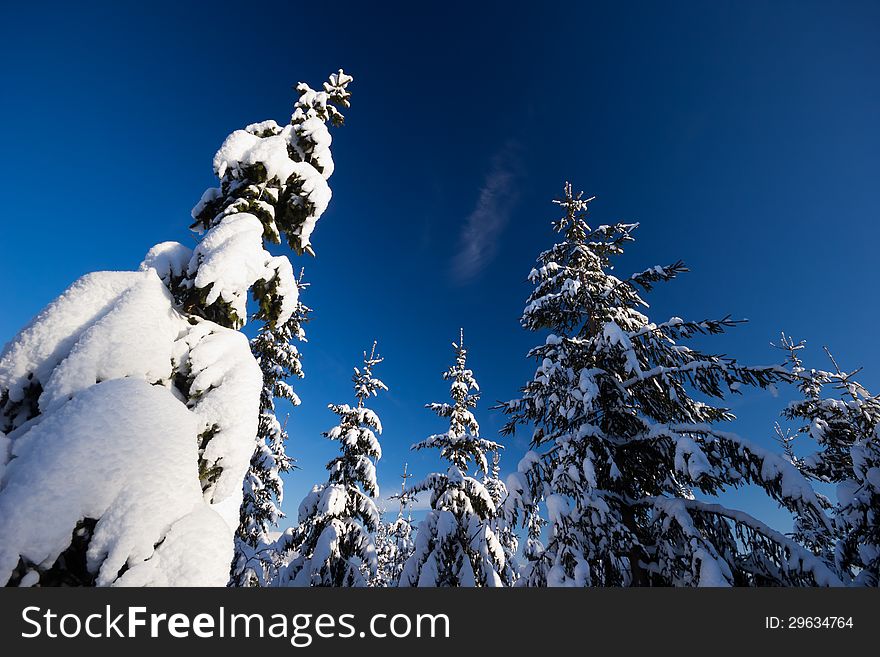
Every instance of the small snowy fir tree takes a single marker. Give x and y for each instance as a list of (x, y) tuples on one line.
[(402, 530), (455, 544), (139, 384), (394, 543), (384, 543), (840, 416), (503, 521), (333, 543), (623, 438), (279, 360)]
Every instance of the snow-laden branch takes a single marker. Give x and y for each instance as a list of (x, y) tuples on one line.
[(799, 559)]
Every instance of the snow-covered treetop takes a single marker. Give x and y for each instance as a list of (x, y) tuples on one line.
[(404, 497), (322, 105), (273, 181), (356, 432), (277, 172), (461, 444), (365, 384), (589, 310)]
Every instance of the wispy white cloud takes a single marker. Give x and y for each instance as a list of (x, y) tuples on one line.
[(478, 242)]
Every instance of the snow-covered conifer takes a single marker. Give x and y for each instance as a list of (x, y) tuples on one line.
[(394, 540), (384, 543), (273, 181), (333, 544), (394, 543), (503, 520), (840, 416), (279, 360), (623, 436), (455, 544), (402, 529), (138, 384)]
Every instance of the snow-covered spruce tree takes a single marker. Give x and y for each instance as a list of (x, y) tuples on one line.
[(279, 359), (384, 544), (842, 418), (139, 384), (333, 544), (388, 561), (394, 543), (402, 530), (455, 544), (623, 438), (503, 520)]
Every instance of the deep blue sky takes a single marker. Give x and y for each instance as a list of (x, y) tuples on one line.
[(743, 136)]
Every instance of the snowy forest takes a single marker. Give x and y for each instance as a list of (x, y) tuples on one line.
[(139, 419)]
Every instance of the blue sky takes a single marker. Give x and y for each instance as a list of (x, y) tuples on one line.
[(743, 136)]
